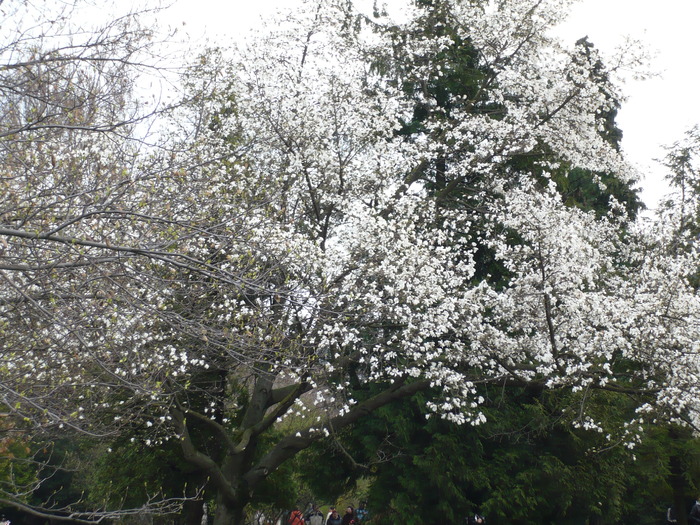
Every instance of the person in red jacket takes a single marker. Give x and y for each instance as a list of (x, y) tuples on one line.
[(296, 517)]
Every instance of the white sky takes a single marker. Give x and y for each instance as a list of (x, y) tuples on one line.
[(658, 110)]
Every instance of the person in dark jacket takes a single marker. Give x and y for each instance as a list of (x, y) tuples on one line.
[(334, 518), (671, 518), (694, 516), (349, 517)]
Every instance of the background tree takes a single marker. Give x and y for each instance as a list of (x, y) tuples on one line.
[(71, 128)]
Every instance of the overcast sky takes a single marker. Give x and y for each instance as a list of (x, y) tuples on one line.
[(658, 110)]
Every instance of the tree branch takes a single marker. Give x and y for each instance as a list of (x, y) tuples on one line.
[(290, 445), (200, 460)]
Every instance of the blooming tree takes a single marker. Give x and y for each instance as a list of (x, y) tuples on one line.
[(71, 131), (316, 220)]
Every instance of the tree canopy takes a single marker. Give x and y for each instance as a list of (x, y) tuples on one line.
[(341, 214)]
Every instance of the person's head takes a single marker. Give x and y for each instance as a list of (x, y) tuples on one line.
[(350, 510)]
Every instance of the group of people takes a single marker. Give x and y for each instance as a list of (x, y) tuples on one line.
[(693, 517), (352, 516)]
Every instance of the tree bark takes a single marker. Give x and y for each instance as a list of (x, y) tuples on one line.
[(234, 477), (676, 478), (678, 487), (192, 512), (227, 514)]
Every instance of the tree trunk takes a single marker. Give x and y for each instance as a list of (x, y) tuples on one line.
[(192, 512), (678, 487), (227, 513)]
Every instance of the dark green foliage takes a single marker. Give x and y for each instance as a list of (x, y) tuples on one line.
[(282, 489), (16, 467), (592, 191), (60, 460), (129, 473), (527, 465), (47, 473)]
